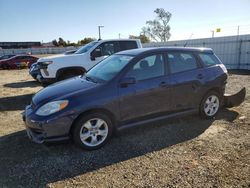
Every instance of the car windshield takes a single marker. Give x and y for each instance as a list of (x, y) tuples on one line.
[(108, 68), (86, 47)]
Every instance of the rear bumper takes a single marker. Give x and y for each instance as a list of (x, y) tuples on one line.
[(231, 100)]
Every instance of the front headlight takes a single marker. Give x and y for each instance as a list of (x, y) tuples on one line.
[(45, 62), (52, 107), (44, 65)]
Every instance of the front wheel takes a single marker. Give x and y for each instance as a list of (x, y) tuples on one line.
[(210, 105), (92, 131)]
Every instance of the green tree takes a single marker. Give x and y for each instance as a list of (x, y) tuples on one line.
[(143, 38), (54, 42), (71, 43), (158, 29), (86, 40), (61, 42)]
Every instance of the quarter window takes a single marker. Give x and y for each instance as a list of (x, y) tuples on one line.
[(209, 59), (149, 67), (180, 62)]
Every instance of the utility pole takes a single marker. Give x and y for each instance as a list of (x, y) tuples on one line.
[(212, 33), (119, 35), (238, 30), (99, 29)]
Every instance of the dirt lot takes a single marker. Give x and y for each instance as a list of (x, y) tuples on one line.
[(186, 152)]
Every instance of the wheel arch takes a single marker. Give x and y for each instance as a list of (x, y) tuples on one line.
[(215, 89), (95, 110), (212, 89), (75, 69)]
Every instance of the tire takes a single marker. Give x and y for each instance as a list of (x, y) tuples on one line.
[(86, 133), (210, 105)]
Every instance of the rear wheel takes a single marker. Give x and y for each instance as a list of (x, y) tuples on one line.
[(92, 131), (210, 105)]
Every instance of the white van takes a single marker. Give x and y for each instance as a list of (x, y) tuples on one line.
[(60, 67)]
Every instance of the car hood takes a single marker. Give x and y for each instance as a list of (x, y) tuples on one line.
[(58, 57), (62, 89)]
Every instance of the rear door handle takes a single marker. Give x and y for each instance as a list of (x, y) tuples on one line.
[(163, 84), (199, 76)]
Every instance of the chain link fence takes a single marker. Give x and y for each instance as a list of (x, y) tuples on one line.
[(234, 51)]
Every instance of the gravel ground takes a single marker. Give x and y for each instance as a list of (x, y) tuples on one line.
[(184, 152)]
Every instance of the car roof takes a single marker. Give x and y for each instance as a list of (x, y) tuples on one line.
[(107, 40), (138, 51), (24, 55)]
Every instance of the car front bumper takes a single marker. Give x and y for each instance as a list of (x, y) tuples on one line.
[(34, 73), (40, 129), (43, 80)]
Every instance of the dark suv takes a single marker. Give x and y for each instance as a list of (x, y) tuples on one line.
[(126, 89)]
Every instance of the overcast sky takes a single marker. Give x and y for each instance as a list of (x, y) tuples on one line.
[(45, 20)]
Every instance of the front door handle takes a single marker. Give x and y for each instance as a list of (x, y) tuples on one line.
[(199, 76)]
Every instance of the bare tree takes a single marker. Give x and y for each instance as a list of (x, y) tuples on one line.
[(158, 29)]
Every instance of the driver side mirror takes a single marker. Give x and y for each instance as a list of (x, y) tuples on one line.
[(127, 81), (96, 53)]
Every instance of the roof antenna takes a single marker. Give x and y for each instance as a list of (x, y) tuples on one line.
[(188, 39)]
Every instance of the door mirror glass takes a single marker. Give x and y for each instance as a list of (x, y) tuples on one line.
[(96, 53), (127, 81)]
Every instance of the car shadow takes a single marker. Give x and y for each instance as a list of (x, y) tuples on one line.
[(15, 102), (27, 164), (30, 84), (239, 71)]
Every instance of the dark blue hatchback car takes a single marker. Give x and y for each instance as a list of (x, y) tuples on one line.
[(126, 89)]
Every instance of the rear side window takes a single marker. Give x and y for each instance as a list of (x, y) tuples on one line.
[(127, 45), (20, 58), (209, 59), (181, 61)]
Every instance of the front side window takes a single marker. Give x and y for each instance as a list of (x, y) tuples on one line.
[(209, 59), (181, 61), (107, 48), (148, 67), (108, 68)]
